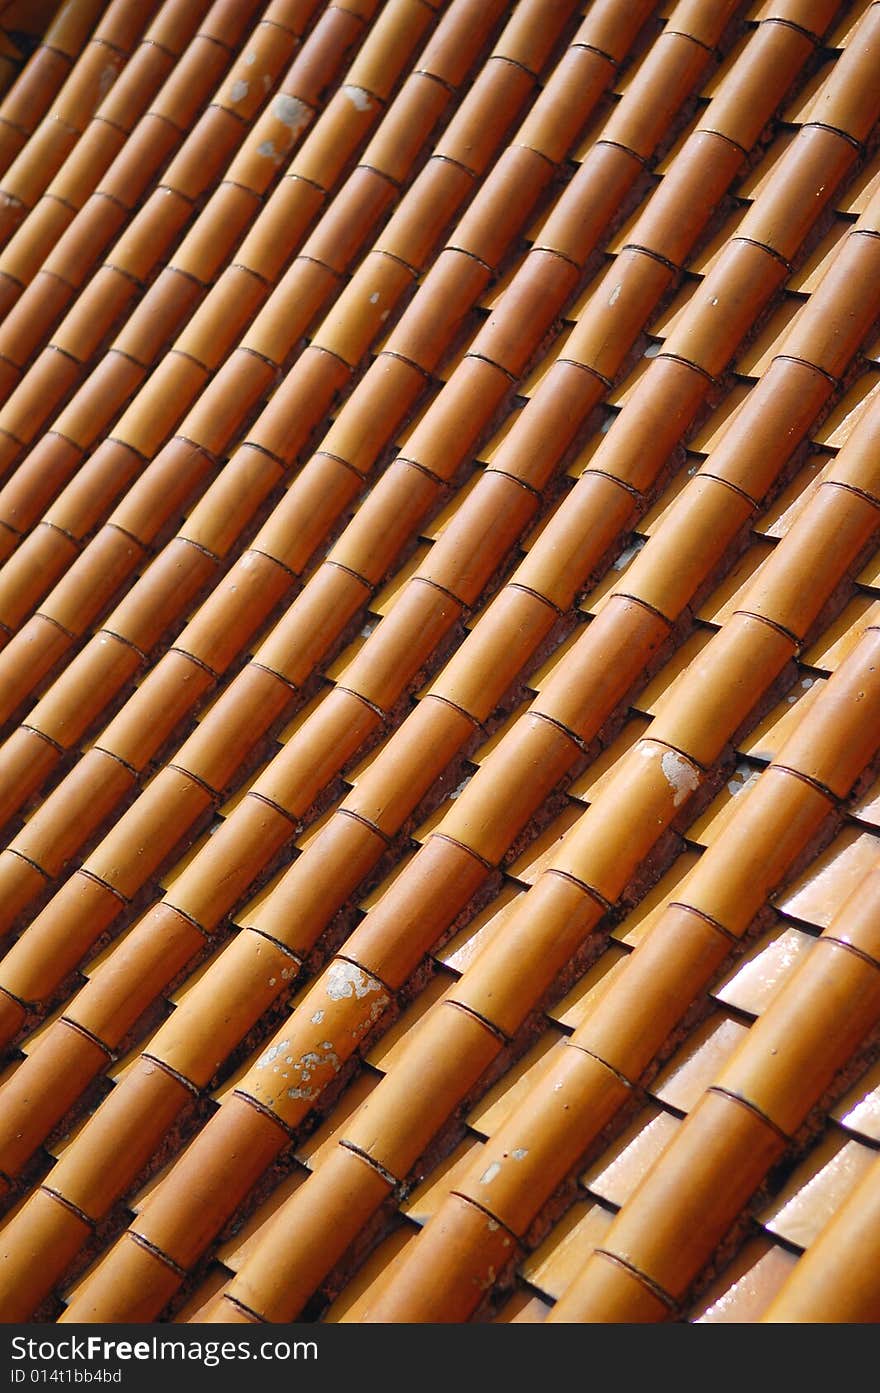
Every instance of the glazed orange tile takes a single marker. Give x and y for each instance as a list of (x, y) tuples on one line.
[(438, 561)]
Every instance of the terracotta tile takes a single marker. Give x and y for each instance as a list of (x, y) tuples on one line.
[(234, 1252), (821, 889), (801, 109), (771, 341), (707, 255), (670, 887), (711, 824), (541, 851), (661, 689), (464, 946), (756, 978), (809, 276), (497, 1105), (859, 1109), (381, 1263), (769, 735), (388, 1049), (843, 32), (817, 1188), (203, 1297), (745, 1289), (576, 1005), (615, 1175), (712, 432), (782, 515), (721, 604), (757, 180), (857, 196), (694, 1067), (588, 786), (313, 1151), (566, 1248), (842, 421), (426, 1199), (256, 491), (866, 809), (523, 1308), (841, 637)]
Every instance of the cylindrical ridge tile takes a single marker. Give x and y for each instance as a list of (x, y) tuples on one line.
[(228, 862), (616, 311), (168, 693), (227, 734), (808, 174), (780, 411), (702, 522), (91, 791), (131, 977), (404, 640), (724, 683), (457, 418), (301, 904), (131, 1281), (768, 831), (849, 101), (582, 212), (603, 848), (836, 525), (548, 424), (135, 848), (319, 1221), (811, 1032), (671, 964), (746, 98), (480, 671), (601, 667), (482, 121), (561, 109), (725, 306), (839, 314), (622, 1297), (334, 732), (208, 1182), (486, 526), (385, 521), (59, 936)]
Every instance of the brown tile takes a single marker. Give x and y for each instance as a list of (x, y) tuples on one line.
[(745, 1289), (617, 1172), (817, 894), (694, 1067), (756, 978), (819, 1186), (553, 1265)]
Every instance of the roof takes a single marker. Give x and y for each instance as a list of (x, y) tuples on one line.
[(440, 666)]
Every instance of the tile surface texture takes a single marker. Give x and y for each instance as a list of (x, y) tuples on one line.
[(440, 661)]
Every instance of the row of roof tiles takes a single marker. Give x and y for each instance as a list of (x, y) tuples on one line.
[(281, 318)]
